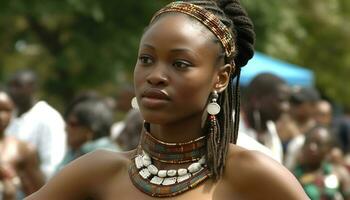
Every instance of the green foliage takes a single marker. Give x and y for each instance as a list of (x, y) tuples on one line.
[(77, 45), (73, 44), (314, 34)]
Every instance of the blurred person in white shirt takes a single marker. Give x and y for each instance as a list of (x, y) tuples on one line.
[(36, 122)]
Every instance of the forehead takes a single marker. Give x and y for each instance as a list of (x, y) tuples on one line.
[(5, 99), (181, 29), (320, 134)]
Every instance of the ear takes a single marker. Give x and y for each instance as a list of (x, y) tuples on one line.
[(223, 78)]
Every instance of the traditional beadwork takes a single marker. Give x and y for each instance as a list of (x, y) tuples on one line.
[(166, 177), (154, 181), (205, 17), (173, 152), (169, 186)]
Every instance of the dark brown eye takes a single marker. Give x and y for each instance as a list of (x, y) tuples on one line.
[(146, 60), (182, 64)]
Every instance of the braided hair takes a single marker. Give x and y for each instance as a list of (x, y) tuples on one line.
[(233, 15)]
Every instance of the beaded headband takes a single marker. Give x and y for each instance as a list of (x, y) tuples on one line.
[(205, 17)]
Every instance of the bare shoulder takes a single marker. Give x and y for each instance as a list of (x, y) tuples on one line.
[(81, 178), (257, 176), (100, 161)]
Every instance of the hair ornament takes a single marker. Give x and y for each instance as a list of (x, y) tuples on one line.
[(207, 18)]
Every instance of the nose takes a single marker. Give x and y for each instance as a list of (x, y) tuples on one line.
[(158, 76)]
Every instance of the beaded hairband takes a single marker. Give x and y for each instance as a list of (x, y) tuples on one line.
[(205, 17)]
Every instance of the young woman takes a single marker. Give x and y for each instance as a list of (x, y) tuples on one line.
[(188, 57)]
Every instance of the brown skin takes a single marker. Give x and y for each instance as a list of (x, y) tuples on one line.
[(323, 113), (21, 89), (17, 158), (188, 77), (303, 116)]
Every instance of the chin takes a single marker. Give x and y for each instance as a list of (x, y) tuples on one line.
[(155, 117)]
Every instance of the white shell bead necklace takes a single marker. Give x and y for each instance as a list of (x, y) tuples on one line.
[(165, 177)]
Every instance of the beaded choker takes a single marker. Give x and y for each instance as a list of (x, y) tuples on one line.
[(173, 152), (163, 169)]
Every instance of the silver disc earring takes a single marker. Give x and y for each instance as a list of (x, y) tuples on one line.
[(213, 107), (134, 103)]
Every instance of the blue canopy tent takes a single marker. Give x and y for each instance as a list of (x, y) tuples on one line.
[(292, 74)]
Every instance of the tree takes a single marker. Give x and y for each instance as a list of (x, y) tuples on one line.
[(74, 45), (314, 34)]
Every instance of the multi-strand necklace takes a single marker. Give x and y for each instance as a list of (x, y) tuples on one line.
[(163, 169)]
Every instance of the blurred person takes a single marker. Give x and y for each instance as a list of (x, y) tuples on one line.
[(320, 178), (125, 94), (19, 163), (36, 122), (130, 136), (342, 127), (88, 122), (265, 100), (337, 158), (324, 113), (80, 97), (187, 60), (303, 103), (123, 106)]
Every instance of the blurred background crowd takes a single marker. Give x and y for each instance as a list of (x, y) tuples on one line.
[(66, 86)]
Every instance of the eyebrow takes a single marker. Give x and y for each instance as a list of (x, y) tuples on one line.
[(179, 50), (172, 50), (149, 46)]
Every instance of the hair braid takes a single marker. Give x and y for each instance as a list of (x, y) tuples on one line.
[(243, 28), (233, 15)]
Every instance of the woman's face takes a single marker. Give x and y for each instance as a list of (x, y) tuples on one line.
[(6, 108), (176, 69)]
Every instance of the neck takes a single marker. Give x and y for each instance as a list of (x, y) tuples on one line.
[(25, 107), (183, 152), (181, 131)]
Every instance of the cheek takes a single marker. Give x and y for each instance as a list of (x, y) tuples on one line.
[(193, 93), (5, 117), (139, 78)]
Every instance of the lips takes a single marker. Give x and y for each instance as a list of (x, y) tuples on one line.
[(154, 98), (155, 94)]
